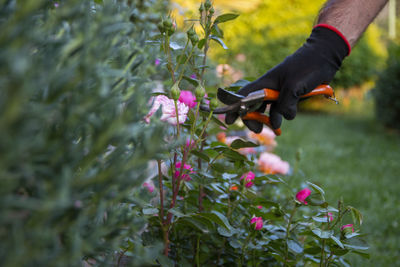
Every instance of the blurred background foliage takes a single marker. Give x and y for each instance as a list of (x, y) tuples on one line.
[(74, 79)]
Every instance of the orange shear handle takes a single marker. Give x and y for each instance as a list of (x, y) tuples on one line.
[(273, 95)]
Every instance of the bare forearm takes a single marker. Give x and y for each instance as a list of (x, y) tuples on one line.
[(350, 17)]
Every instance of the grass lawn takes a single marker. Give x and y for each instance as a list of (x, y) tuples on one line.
[(354, 157)]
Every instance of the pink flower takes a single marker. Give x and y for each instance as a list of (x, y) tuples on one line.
[(190, 144), (56, 4), (149, 187), (258, 222), (248, 178), (157, 62), (259, 207), (168, 110), (266, 137), (247, 150), (330, 216), (269, 163), (347, 226), (302, 195), (193, 76), (188, 98), (186, 168)]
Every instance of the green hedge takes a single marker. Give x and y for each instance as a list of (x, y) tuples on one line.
[(387, 90), (74, 78)]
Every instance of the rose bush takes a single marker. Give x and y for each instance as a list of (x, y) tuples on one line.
[(223, 199)]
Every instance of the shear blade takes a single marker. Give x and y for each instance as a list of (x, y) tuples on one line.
[(227, 109), (227, 97)]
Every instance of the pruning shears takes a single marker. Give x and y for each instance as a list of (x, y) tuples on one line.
[(246, 106)]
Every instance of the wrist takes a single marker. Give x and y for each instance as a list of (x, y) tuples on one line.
[(339, 33)]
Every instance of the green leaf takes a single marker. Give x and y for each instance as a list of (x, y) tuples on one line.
[(200, 155), (201, 43), (356, 214), (239, 143), (181, 59), (197, 223), (294, 246), (224, 232), (220, 123), (176, 212), (219, 41), (322, 234), (192, 81), (218, 218), (337, 241), (238, 84), (362, 254), (150, 211), (175, 46), (235, 243), (215, 30), (225, 17), (316, 188)]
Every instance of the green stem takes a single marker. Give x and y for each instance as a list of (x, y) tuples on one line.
[(177, 118), (321, 261), (287, 234), (198, 252), (184, 65), (183, 52), (169, 58)]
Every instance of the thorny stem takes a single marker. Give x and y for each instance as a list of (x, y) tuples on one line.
[(184, 65), (287, 234), (201, 189), (198, 252)]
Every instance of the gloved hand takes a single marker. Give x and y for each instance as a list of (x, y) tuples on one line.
[(315, 63)]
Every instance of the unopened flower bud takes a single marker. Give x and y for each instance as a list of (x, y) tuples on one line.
[(207, 4), (347, 229), (201, 8), (160, 27), (213, 103), (167, 23), (171, 31), (175, 91), (212, 10), (194, 39), (199, 93)]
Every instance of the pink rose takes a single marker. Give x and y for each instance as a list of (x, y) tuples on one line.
[(190, 144), (347, 228), (188, 98), (149, 187), (168, 110), (258, 222), (269, 163), (302, 195), (248, 178), (259, 207), (187, 168)]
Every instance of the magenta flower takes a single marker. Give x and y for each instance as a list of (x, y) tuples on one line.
[(259, 207), (56, 4), (188, 98), (190, 144), (149, 187), (193, 76), (168, 110), (330, 216), (258, 222), (157, 62), (248, 178), (302, 195), (346, 228), (186, 168)]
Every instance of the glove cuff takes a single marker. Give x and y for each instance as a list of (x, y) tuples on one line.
[(330, 27)]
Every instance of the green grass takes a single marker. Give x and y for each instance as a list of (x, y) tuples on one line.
[(355, 158)]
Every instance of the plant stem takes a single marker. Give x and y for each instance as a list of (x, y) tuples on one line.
[(183, 52), (198, 251), (160, 182), (177, 118), (287, 234), (184, 65), (169, 58), (321, 261)]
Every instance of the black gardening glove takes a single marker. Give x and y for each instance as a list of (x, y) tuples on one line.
[(315, 63)]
